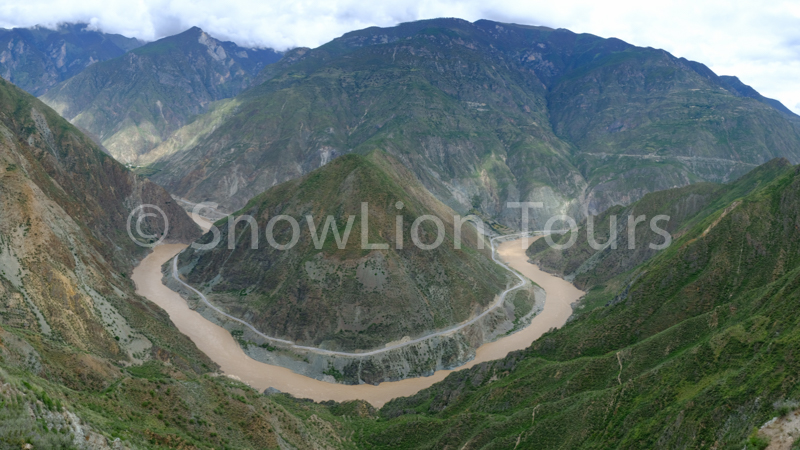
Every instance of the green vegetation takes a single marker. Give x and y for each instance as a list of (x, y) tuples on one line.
[(174, 409), (691, 352), (526, 113), (694, 346), (338, 376), (685, 207), (347, 298)]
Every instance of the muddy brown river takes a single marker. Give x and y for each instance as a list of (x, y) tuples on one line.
[(220, 346)]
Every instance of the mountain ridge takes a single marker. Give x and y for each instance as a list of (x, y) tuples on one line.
[(38, 58), (488, 112), (133, 102), (339, 305)]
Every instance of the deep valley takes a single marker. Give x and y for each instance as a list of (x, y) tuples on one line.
[(368, 244)]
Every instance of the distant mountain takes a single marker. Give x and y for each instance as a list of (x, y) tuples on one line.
[(349, 298), (131, 103), (483, 113), (38, 58)]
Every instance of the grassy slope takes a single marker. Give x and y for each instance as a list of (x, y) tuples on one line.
[(64, 203), (348, 298), (692, 354), (156, 405), (685, 207)]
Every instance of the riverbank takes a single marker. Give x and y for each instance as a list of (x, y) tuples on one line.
[(221, 347)]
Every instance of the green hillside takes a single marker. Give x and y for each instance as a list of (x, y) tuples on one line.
[(485, 113), (691, 349), (685, 207), (345, 297)]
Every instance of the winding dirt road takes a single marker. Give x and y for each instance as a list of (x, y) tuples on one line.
[(220, 346), (499, 301)]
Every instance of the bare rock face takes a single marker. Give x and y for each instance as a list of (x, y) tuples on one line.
[(64, 249)]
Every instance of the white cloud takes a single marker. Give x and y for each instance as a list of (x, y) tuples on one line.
[(758, 42)]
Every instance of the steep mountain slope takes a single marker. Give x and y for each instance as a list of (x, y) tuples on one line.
[(694, 351), (38, 58), (84, 361), (157, 405), (684, 207), (348, 297), (735, 85), (484, 113), (44, 155), (642, 120), (448, 108), (65, 251), (133, 102)]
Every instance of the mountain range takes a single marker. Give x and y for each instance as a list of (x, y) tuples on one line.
[(38, 58), (483, 114), (691, 346), (133, 102), (85, 362)]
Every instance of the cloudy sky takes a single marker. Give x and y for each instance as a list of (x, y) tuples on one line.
[(757, 41)]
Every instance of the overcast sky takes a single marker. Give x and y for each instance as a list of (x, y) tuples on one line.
[(757, 41)]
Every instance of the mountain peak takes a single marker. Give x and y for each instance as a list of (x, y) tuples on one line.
[(190, 33), (352, 297), (39, 57), (214, 69)]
